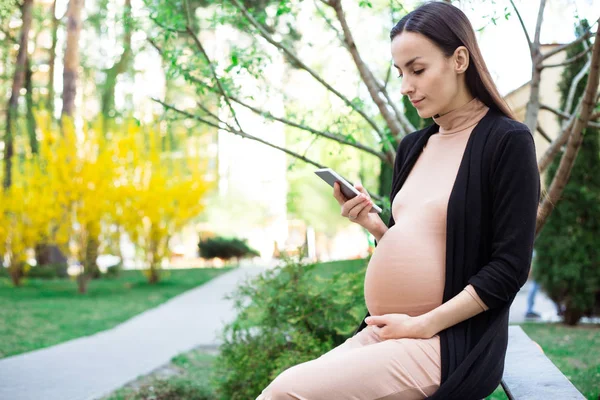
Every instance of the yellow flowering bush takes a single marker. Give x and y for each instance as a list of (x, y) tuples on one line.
[(84, 188)]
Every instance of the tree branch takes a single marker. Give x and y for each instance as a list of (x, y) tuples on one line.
[(587, 34), (574, 83), (564, 115), (328, 21), (538, 24), (558, 142), (212, 68), (267, 114), (367, 76), (529, 42), (532, 110), (243, 134), (337, 138), (568, 61), (543, 133), (302, 65), (575, 139)]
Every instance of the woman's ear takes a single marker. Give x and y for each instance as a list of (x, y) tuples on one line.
[(461, 59)]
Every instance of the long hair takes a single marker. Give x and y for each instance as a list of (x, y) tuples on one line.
[(448, 27)]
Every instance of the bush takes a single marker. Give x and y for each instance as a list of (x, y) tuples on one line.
[(114, 271), (286, 316), (48, 271), (225, 248)]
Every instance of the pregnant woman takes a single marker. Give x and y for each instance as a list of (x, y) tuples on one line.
[(458, 244)]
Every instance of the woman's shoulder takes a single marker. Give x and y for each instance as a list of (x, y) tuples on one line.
[(502, 128)]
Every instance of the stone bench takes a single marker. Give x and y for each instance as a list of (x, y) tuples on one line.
[(530, 375)]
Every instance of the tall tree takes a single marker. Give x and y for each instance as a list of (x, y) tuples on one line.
[(30, 106), (71, 60), (17, 84), (52, 58)]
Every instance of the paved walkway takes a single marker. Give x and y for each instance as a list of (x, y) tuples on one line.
[(93, 366)]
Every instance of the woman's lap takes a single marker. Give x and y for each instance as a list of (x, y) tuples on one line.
[(366, 368)]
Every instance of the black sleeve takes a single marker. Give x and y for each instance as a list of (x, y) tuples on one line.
[(515, 193)]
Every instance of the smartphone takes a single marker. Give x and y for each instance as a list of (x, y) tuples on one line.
[(330, 176)]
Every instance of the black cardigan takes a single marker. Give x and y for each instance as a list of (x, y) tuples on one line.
[(490, 233)]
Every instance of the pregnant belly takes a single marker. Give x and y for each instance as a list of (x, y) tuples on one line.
[(406, 272)]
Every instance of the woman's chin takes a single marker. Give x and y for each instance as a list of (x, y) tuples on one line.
[(423, 113)]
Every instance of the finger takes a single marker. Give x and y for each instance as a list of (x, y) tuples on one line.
[(379, 332), (374, 320), (358, 208), (349, 205), (338, 195), (366, 209)]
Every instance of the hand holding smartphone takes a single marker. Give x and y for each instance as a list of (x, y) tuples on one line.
[(347, 189)]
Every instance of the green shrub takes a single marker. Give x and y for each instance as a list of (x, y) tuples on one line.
[(114, 271), (286, 316), (48, 271), (225, 248)]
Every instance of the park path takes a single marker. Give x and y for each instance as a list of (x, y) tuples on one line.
[(93, 366)]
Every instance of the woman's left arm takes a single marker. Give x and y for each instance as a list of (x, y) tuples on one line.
[(515, 194), (461, 307)]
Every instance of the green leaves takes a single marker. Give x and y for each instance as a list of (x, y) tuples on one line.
[(288, 315)]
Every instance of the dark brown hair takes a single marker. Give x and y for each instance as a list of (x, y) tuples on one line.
[(448, 27)]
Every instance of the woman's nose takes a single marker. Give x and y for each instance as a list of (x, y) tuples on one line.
[(406, 87)]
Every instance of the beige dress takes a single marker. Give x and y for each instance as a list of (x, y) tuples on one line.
[(405, 275)]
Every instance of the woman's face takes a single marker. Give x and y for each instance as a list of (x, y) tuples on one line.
[(433, 82)]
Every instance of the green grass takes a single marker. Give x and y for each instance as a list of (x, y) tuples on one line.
[(43, 313), (574, 350)]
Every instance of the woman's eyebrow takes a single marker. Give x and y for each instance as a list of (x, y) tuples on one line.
[(409, 62)]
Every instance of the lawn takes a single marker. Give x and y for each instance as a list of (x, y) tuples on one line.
[(43, 313)]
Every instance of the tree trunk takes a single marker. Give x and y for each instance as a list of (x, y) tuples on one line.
[(91, 255), (16, 274), (533, 105), (71, 62), (154, 275), (572, 315), (17, 84), (29, 100), (121, 66), (82, 282), (52, 61)]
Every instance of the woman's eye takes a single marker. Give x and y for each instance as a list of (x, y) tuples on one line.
[(419, 72)]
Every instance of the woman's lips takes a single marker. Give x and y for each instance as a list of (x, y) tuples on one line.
[(417, 102)]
